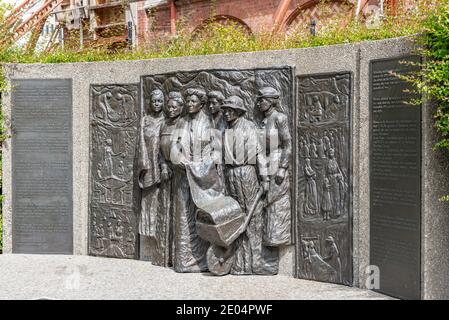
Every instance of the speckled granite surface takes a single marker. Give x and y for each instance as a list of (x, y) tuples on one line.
[(84, 277)]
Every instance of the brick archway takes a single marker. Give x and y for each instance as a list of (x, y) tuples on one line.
[(310, 10), (223, 19)]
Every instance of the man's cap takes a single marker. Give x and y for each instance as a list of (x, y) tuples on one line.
[(268, 92), (234, 102)]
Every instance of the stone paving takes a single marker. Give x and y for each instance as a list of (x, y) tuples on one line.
[(84, 277)]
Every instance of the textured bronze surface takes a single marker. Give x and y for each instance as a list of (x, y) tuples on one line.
[(113, 188), (214, 181), (324, 178)]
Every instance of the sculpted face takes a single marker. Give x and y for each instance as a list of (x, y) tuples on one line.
[(230, 114), (263, 104), (174, 108), (193, 104), (214, 105), (157, 102)]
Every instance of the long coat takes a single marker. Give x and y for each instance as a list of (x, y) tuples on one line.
[(192, 144), (278, 208)]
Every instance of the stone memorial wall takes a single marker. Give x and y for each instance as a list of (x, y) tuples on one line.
[(356, 186)]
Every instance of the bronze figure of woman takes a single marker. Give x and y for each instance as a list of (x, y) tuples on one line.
[(173, 110), (191, 146), (150, 174)]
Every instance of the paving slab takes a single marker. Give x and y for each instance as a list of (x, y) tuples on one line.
[(86, 277)]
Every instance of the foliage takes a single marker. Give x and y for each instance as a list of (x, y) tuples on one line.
[(217, 38), (433, 80)]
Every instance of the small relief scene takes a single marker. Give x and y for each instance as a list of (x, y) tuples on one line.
[(321, 258), (324, 99), (214, 169), (323, 175), (114, 122)]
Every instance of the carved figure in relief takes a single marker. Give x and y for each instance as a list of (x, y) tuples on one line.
[(317, 267), (251, 257), (191, 147), (333, 108), (326, 142), (99, 234), (121, 172), (118, 232), (311, 195), (215, 102), (316, 110), (109, 155), (320, 148), (337, 183), (110, 230), (313, 150), (100, 192), (326, 205), (332, 256), (149, 163), (277, 208), (130, 242), (173, 110), (118, 106)]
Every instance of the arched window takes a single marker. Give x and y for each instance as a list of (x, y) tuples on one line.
[(322, 13), (224, 20)]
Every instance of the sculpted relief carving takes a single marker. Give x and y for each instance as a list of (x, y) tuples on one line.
[(200, 163), (214, 196), (323, 192), (114, 124)]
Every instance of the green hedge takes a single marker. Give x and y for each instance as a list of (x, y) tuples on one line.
[(433, 80)]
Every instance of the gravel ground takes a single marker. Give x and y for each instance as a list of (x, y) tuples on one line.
[(83, 277)]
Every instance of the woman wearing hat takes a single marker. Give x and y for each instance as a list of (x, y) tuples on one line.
[(278, 212)]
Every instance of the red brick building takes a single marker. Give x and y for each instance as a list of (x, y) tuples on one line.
[(110, 21), (159, 17)]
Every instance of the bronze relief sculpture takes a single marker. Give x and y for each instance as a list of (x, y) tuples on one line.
[(323, 220), (225, 211), (113, 192), (151, 173), (215, 168)]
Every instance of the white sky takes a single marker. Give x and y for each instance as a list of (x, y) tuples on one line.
[(16, 2)]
